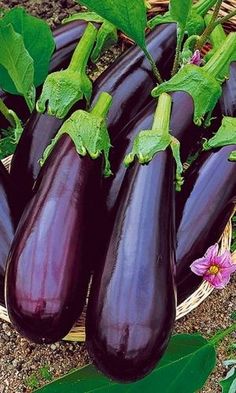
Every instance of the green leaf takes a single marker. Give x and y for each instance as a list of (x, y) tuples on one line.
[(107, 36), (184, 368), (180, 11), (128, 16), (38, 41), (232, 156), (226, 135), (87, 16), (18, 63), (10, 137), (203, 88), (229, 383)]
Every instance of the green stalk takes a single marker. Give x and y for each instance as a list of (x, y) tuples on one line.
[(5, 111), (180, 38), (221, 335), (83, 50), (222, 56), (217, 36), (203, 39), (153, 65), (225, 18), (162, 114), (203, 6), (102, 105)]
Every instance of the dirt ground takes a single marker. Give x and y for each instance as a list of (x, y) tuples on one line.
[(25, 366)]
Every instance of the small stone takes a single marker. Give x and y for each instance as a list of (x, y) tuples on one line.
[(53, 347)]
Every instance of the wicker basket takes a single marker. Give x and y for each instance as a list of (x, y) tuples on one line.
[(77, 333)]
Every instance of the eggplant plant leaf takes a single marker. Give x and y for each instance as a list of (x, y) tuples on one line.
[(180, 11), (38, 41), (128, 16), (18, 64), (187, 355), (226, 135)]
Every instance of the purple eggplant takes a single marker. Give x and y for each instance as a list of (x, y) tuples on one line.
[(128, 79), (206, 202), (131, 307), (7, 223), (48, 267)]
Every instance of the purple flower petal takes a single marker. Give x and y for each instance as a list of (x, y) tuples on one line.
[(212, 251), (224, 260), (229, 269), (218, 281), (200, 266), (196, 58)]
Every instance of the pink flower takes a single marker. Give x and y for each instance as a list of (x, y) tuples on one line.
[(196, 58), (216, 269)]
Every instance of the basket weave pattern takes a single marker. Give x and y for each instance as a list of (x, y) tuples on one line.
[(77, 333)]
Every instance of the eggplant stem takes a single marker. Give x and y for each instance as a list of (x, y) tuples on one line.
[(223, 55), (5, 111), (209, 28), (155, 70), (102, 105), (221, 335), (203, 6), (220, 21), (217, 36), (180, 38), (162, 114), (83, 50)]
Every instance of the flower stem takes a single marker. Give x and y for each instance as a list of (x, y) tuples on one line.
[(202, 40), (5, 111), (202, 6), (102, 105), (153, 65), (162, 114), (222, 56), (83, 50), (225, 18), (180, 37), (221, 335)]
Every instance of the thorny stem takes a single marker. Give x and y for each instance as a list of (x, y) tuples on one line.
[(162, 114), (153, 65), (221, 335), (5, 111), (203, 38), (180, 37), (225, 18), (102, 105), (83, 50)]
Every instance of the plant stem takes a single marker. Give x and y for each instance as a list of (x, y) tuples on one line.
[(225, 18), (83, 50), (222, 56), (102, 105), (162, 114), (180, 37), (153, 65), (221, 335), (217, 36), (202, 40), (202, 6), (5, 111)]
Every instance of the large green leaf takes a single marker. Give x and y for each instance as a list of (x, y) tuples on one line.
[(127, 15), (38, 40), (184, 368), (180, 11), (18, 63), (226, 135)]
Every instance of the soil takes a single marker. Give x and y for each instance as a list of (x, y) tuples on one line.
[(25, 366)]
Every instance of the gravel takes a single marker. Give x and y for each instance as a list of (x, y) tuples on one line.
[(25, 366)]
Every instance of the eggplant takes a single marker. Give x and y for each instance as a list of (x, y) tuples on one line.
[(128, 79), (52, 247), (66, 37), (131, 307), (206, 202), (7, 223)]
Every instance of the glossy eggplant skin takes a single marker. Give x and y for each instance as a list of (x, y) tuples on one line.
[(131, 309), (206, 202), (48, 268), (66, 37), (130, 79), (7, 223)]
